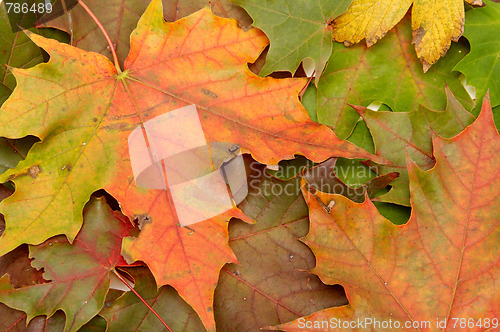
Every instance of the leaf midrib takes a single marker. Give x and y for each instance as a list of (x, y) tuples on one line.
[(367, 262), (189, 102)]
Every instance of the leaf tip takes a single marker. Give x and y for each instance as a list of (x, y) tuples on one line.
[(360, 109)]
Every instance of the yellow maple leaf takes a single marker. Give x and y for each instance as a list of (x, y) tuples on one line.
[(434, 23)]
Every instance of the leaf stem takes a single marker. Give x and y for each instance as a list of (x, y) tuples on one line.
[(13, 146), (108, 39), (301, 93), (140, 297)]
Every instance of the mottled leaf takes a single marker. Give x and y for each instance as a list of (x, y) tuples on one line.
[(442, 264), (387, 72), (269, 285), (78, 273), (84, 121)]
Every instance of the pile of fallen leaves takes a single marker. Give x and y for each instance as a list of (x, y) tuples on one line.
[(372, 167)]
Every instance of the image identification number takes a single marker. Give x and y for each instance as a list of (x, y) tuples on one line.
[(17, 8)]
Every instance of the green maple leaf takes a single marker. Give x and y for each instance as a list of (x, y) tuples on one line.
[(388, 72), (396, 134), (297, 29), (482, 65)]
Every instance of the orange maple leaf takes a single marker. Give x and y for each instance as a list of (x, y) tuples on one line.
[(84, 111), (442, 266)]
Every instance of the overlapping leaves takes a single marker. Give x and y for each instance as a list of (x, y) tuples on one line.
[(359, 75), (297, 30), (83, 109), (121, 17), (438, 265), (400, 134), (77, 274), (481, 66), (434, 23)]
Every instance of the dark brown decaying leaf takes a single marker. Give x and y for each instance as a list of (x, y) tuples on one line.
[(323, 178), (17, 265), (174, 10), (269, 284), (15, 321)]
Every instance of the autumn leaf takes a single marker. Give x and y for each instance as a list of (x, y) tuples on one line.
[(442, 264), (360, 75), (345, 169), (12, 151), (296, 29), (78, 273), (174, 10), (83, 110), (481, 65), (434, 23), (13, 55), (17, 265), (397, 134), (118, 17), (128, 313), (355, 180), (287, 169), (253, 212), (323, 178), (270, 272), (15, 321), (17, 50)]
